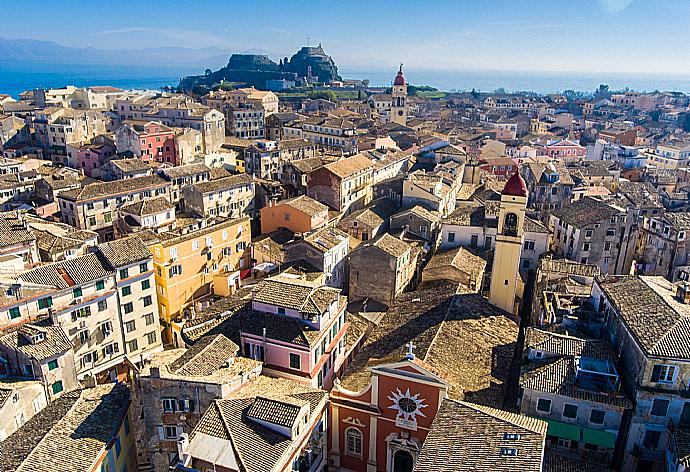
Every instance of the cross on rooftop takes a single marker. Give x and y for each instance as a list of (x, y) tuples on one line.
[(410, 351)]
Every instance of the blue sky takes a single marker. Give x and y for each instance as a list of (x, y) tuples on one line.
[(640, 36)]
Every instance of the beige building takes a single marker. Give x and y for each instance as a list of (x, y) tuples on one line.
[(227, 197)]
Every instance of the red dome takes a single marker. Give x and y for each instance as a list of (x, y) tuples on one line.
[(515, 186), (400, 78)]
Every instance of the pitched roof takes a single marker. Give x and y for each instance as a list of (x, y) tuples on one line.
[(224, 183), (129, 165), (256, 447), (295, 295), (585, 211), (104, 189), (564, 345), (388, 244), (323, 239), (659, 323), (349, 166), (77, 440), (55, 343), (469, 437), (13, 230), (151, 206), (124, 252), (68, 273), (204, 357), (183, 171), (305, 204)]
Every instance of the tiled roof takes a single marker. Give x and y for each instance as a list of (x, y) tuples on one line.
[(151, 206), (184, 171), (324, 239), (282, 412), (53, 237), (373, 215), (585, 211), (56, 341), (257, 448), (461, 335), (305, 204), (659, 323), (65, 274), (558, 376), (477, 217), (16, 447), (104, 189), (563, 345), (460, 258), (130, 165), (224, 183), (553, 462), (13, 231), (349, 166), (124, 252), (77, 440), (389, 244), (204, 357), (295, 295), (465, 437), (309, 164)]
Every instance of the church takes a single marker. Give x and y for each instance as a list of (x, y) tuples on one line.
[(392, 107), (441, 343)]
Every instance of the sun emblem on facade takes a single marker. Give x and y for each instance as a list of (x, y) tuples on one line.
[(407, 405)]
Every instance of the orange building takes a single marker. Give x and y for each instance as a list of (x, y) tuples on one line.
[(300, 215)]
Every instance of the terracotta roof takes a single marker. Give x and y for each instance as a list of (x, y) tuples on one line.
[(204, 357), (104, 189), (305, 204), (151, 206), (564, 345), (465, 437), (13, 231), (256, 447), (460, 258), (585, 211), (349, 166), (659, 323), (295, 295), (553, 462), (224, 183), (130, 165), (323, 239), (56, 341), (78, 439), (124, 252), (389, 244), (68, 273), (184, 171)]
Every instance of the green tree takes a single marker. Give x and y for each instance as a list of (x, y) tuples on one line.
[(324, 94)]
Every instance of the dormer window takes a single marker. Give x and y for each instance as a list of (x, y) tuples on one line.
[(37, 337)]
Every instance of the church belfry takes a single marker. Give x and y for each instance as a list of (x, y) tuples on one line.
[(509, 241), (399, 99)]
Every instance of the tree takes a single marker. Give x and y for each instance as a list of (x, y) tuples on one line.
[(602, 92), (474, 94), (323, 94), (500, 90)]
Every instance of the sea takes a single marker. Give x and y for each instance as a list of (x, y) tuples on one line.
[(16, 77)]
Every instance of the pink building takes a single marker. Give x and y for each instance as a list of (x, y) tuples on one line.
[(151, 141), (90, 158), (566, 149), (502, 167), (297, 330)]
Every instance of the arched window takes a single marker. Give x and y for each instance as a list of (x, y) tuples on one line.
[(353, 442), (510, 224)]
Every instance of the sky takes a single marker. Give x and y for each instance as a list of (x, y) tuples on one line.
[(622, 36)]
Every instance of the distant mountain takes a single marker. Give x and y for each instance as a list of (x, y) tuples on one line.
[(15, 50)]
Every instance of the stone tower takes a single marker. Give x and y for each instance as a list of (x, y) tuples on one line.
[(506, 265), (399, 101)]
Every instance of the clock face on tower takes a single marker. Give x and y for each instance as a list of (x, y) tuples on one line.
[(407, 405)]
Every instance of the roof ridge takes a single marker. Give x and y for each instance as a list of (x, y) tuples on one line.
[(512, 418), (440, 325)]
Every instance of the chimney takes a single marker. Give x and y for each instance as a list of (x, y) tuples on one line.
[(155, 371), (683, 292)]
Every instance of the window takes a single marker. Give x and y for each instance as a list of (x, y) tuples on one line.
[(14, 312), (151, 337), (659, 407), (126, 291), (124, 273), (148, 319), (588, 233), (169, 405), (102, 305), (132, 345), (57, 387), (353, 442), (195, 245), (143, 267), (110, 349), (651, 439), (585, 247), (46, 302), (52, 365), (294, 361), (89, 358), (147, 300), (83, 336), (510, 225), (611, 232), (107, 328), (451, 237), (128, 307), (509, 451), (100, 285), (108, 217), (92, 221), (171, 432), (569, 411), (281, 310), (130, 326), (145, 284), (529, 246), (544, 405), (224, 235), (76, 293), (597, 416), (663, 373)]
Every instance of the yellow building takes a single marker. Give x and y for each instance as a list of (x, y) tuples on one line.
[(505, 279), (193, 264)]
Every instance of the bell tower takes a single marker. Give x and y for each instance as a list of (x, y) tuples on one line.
[(509, 241), (399, 99)]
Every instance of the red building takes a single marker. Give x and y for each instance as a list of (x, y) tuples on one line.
[(502, 167), (566, 149), (434, 343), (150, 141)]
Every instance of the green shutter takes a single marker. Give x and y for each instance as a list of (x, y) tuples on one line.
[(562, 430), (599, 438)]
